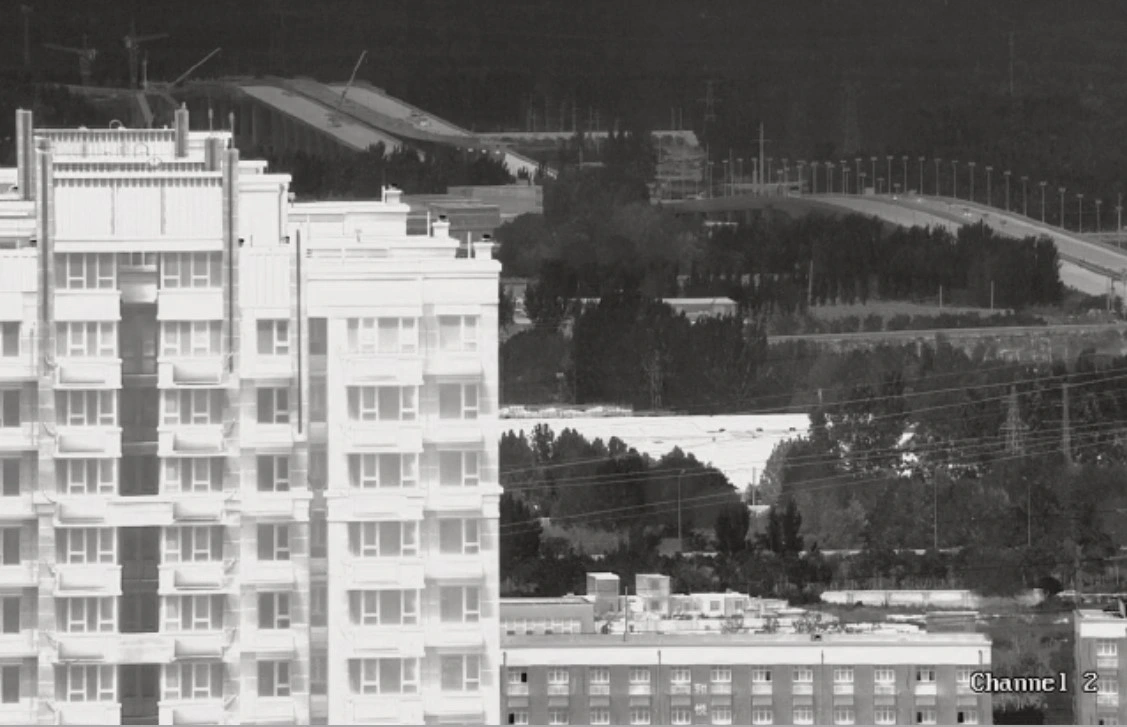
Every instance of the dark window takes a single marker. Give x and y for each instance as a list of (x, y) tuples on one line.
[(9, 684), (318, 336), (11, 615), (10, 473), (10, 543), (11, 409), (10, 339)]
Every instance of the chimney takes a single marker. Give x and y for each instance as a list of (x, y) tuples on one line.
[(213, 154), (181, 124), (45, 212), (392, 195), (25, 154), (441, 228), (483, 249)]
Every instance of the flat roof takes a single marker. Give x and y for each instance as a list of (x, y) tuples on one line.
[(377, 101), (742, 640), (356, 135), (547, 601), (1092, 614)]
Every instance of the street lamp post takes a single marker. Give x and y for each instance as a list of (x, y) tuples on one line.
[(880, 185), (1061, 190), (1042, 201), (1080, 211), (970, 170), (904, 160), (829, 177), (768, 178), (857, 168), (861, 183), (845, 179), (873, 161), (955, 178), (727, 178), (937, 192), (786, 171), (801, 175), (1024, 196), (1119, 216), (921, 160), (740, 170), (989, 188), (1099, 203), (1006, 174), (889, 176)]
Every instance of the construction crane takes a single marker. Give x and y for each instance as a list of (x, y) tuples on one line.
[(133, 48), (86, 56), (334, 117), (164, 90)]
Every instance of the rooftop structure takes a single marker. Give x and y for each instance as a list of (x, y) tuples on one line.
[(244, 470), (1101, 674)]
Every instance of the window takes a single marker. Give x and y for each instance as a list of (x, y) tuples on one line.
[(193, 544), (87, 615), (558, 677), (86, 683), (85, 340), (318, 534), (1107, 685), (640, 715), (884, 676), (384, 608), (803, 715), (461, 673), (368, 471), (387, 539), (274, 405), (274, 611), (925, 676), (77, 271), (318, 604), (10, 477), (639, 675), (273, 542), (721, 715), (681, 675), (10, 606), (384, 676), (10, 546), (457, 401), (926, 716), (319, 672), (9, 684), (382, 403), (10, 408), (318, 336), (458, 469), (9, 339), (1107, 648), (459, 604), (140, 260), (383, 335), (273, 678), (199, 406), (191, 270), (557, 716), (193, 613), (962, 677), (273, 338), (843, 675), (140, 475), (884, 715), (185, 339), (522, 718), (83, 546), (967, 716), (86, 408), (193, 680), (760, 676), (803, 675), (843, 715), (193, 474), (457, 333), (600, 675), (760, 715), (457, 536), (87, 476), (598, 716), (318, 399), (681, 716), (273, 473), (720, 675)]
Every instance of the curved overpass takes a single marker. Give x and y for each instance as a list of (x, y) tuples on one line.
[(1087, 265)]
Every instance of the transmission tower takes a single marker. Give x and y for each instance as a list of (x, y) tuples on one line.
[(1014, 428)]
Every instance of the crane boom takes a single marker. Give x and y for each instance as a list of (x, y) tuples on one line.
[(351, 79), (188, 72)]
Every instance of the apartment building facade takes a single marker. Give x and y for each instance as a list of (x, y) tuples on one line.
[(759, 679), (230, 494), (1101, 647)]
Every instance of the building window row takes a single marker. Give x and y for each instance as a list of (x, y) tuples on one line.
[(368, 336), (86, 340), (394, 539), (400, 403)]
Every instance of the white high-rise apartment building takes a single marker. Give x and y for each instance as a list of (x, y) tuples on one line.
[(244, 477)]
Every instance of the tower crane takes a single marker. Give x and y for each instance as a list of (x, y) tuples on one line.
[(133, 49), (86, 57)]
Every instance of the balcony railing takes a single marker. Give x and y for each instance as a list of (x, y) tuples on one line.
[(517, 690), (1107, 700), (680, 688), (599, 690), (640, 690), (761, 689), (802, 688), (884, 688), (720, 688), (1107, 662), (843, 689), (926, 689), (558, 690)]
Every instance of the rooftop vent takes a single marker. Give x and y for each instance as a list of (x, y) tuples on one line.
[(392, 195)]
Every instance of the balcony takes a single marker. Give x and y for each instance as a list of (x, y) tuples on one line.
[(24, 574), (843, 690), (87, 305), (19, 438), (23, 712), (598, 690), (884, 690), (679, 690), (640, 690), (268, 368), (389, 436), (454, 431), (455, 635), (211, 576), (459, 499), (88, 373), (192, 440), (192, 372), (1107, 700), (802, 689), (926, 689), (114, 511), (113, 648), (388, 709), (271, 710), (24, 365), (268, 437), (516, 690), (270, 642), (198, 508), (25, 643), (375, 573), (463, 365), (190, 304), (385, 369), (1107, 662), (287, 506), (405, 641), (85, 442), (20, 507), (762, 689), (198, 644), (94, 579), (280, 574), (454, 704), (87, 713), (447, 567), (379, 503), (191, 711), (720, 689)]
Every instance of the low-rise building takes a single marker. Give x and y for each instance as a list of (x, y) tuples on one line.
[(1101, 644), (561, 615), (724, 679)]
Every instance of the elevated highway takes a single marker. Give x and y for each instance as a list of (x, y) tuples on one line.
[(1088, 263)]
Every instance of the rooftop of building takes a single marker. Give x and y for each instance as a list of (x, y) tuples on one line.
[(1094, 614), (654, 640), (547, 601)]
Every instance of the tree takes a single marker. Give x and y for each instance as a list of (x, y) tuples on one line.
[(506, 308), (522, 533), (731, 528), (791, 529)]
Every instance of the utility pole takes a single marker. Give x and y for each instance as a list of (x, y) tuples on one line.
[(680, 538), (810, 282), (1066, 429), (762, 143), (935, 513)]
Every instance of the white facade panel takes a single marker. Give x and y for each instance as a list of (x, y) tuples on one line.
[(96, 205), (260, 217), (264, 279), (87, 305), (359, 299), (138, 210), (194, 212), (19, 271), (205, 304)]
